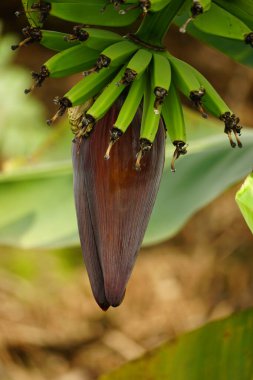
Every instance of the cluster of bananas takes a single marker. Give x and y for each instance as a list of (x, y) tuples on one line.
[(146, 74), (139, 83)]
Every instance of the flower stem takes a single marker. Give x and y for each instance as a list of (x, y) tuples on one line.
[(155, 25)]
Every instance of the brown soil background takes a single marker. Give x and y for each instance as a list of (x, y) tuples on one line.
[(50, 327)]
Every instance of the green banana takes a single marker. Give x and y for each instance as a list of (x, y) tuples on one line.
[(199, 7), (242, 9), (67, 62), (218, 108), (186, 81), (106, 99), (220, 22), (136, 66), (127, 112), (48, 38), (172, 114), (93, 38), (161, 71), (149, 124), (89, 12), (36, 12), (113, 56), (87, 88)]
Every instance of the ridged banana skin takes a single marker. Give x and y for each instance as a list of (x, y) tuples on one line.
[(172, 113), (89, 86), (161, 71), (212, 101), (140, 61), (157, 5), (206, 4), (131, 104), (242, 9), (150, 119), (89, 12), (32, 17), (100, 39), (119, 52), (55, 40), (219, 22), (71, 61), (106, 99), (120, 199), (184, 76)]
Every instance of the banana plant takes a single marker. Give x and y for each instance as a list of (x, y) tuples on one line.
[(122, 109)]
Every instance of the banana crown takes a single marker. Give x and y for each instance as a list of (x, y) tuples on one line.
[(145, 75)]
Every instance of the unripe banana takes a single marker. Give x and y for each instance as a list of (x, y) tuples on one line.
[(161, 71), (114, 56), (67, 62), (93, 38), (136, 66), (127, 112), (221, 23), (243, 9), (186, 81), (48, 38), (172, 113), (84, 90), (149, 124), (92, 12), (199, 7), (106, 99), (217, 107)]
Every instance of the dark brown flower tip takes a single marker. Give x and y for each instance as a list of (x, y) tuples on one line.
[(196, 9), (145, 146), (102, 62), (31, 35), (196, 98), (128, 77), (160, 95), (232, 126), (180, 150), (38, 79), (115, 136), (78, 34), (63, 104), (249, 39), (114, 204)]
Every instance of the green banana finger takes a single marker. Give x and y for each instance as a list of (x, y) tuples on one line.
[(87, 88), (149, 124), (114, 56), (172, 113), (89, 12), (127, 112), (217, 107), (67, 62), (136, 66), (106, 99), (186, 81), (36, 13), (221, 23), (93, 38), (199, 7), (161, 78), (48, 38), (242, 9)]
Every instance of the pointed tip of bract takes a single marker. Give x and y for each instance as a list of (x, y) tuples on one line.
[(114, 294)]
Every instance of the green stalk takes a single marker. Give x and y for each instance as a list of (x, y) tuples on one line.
[(155, 25)]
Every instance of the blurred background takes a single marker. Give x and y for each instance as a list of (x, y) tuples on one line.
[(50, 326)]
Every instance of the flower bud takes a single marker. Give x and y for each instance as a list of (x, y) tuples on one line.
[(114, 203)]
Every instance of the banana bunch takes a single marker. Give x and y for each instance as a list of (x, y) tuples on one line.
[(113, 66)]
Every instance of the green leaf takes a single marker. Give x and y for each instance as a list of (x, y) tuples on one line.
[(220, 350), (244, 199), (37, 207)]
